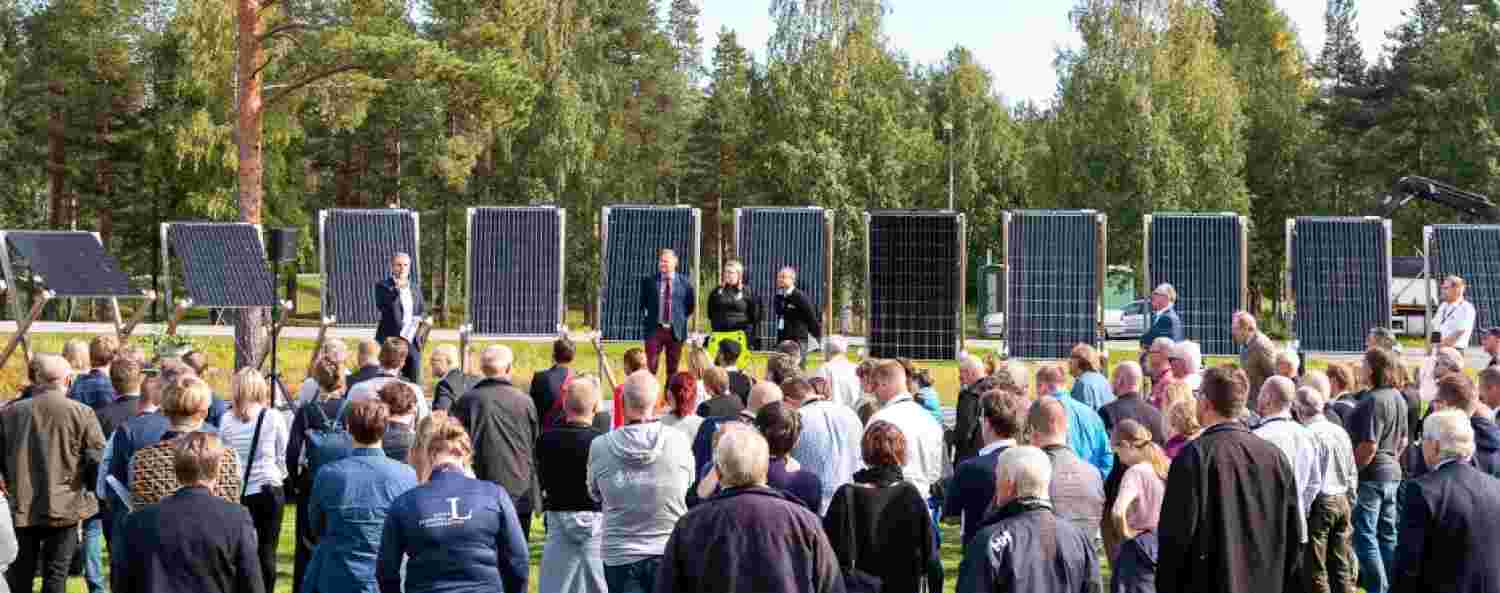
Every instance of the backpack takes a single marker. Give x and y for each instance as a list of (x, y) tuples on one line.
[(330, 443)]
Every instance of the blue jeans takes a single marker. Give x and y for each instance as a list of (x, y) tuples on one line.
[(93, 553), (1375, 534), (636, 577)]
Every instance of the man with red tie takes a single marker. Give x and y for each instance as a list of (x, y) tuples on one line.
[(667, 301)]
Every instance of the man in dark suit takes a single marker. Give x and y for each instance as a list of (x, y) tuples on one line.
[(1450, 519), (1002, 414), (796, 319), (451, 382), (667, 301), (1163, 322), (191, 540), (401, 310)]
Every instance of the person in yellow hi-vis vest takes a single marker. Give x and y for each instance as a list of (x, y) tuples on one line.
[(732, 310)]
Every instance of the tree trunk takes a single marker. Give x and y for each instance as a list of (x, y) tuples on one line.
[(248, 338), (393, 164), (57, 157)]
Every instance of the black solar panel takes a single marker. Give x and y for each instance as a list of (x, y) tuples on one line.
[(1054, 271), (515, 271), (1203, 257), (71, 263), (223, 264), (1341, 278), (769, 239), (632, 237), (1471, 252), (916, 294), (357, 248)]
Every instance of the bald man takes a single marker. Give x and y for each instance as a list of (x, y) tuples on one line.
[(562, 456), (504, 424), (1257, 354), (762, 394), (1295, 441), (1129, 404)]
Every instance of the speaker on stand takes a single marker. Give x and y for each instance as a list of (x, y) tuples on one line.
[(281, 247)]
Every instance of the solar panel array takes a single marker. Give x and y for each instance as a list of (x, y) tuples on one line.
[(632, 237), (1471, 252), (71, 263), (1341, 279), (768, 239), (1054, 270), (515, 271), (916, 293), (1203, 257), (223, 264), (357, 246)]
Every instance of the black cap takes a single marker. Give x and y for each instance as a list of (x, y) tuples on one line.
[(729, 348)]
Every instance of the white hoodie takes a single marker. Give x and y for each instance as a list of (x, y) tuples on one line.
[(640, 474)]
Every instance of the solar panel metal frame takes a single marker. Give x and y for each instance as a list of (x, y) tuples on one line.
[(695, 263), (1482, 292), (348, 319), (1289, 284), (961, 265), (166, 250), (1242, 275), (1101, 236), (822, 300), (470, 320)]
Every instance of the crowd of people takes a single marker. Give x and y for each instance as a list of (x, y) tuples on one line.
[(1262, 476)]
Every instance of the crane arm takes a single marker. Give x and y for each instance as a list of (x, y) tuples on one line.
[(1476, 206)]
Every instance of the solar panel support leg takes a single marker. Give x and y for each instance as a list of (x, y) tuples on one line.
[(323, 326), (463, 348), (276, 325), (177, 314), (24, 326), (139, 316)]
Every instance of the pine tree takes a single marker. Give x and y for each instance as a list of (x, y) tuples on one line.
[(1342, 62)]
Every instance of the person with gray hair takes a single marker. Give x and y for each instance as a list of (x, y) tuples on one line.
[(1295, 441), (1450, 517), (1328, 562), (50, 447), (1023, 545), (1443, 362), (1163, 321), (1257, 354), (401, 311), (452, 383), (640, 474), (1130, 405), (1158, 367), (505, 425), (1288, 364), (964, 437), (748, 537), (1186, 359), (841, 373)]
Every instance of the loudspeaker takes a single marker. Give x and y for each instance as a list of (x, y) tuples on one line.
[(281, 244)]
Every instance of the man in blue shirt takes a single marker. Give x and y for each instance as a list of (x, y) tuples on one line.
[(1086, 434), (1090, 386), (94, 388)]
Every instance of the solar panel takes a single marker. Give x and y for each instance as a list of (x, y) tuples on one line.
[(1340, 280), (915, 267), (1471, 252), (70, 263), (632, 237), (515, 271), (357, 246), (223, 263), (1054, 265), (1203, 256), (768, 239)]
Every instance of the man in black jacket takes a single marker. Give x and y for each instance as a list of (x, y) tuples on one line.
[(964, 437), (1450, 517), (547, 386), (191, 540), (1002, 413), (1232, 524), (1128, 404), (796, 319), (452, 383), (740, 382), (504, 425), (401, 309), (1023, 545)]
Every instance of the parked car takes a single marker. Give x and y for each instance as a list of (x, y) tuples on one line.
[(1126, 322), (993, 326)]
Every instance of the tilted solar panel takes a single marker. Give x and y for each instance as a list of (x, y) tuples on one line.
[(71, 263), (223, 264)]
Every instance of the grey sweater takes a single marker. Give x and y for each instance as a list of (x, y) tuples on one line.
[(640, 475)]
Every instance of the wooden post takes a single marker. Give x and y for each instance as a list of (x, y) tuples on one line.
[(323, 326), (140, 315), (177, 314), (24, 325)]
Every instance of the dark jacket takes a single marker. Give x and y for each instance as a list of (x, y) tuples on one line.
[(50, 450), (546, 391), (504, 425), (1134, 570), (93, 389), (364, 373), (733, 309), (117, 414), (190, 542), (964, 436), (1166, 325), (749, 539), (1486, 450), (972, 491), (883, 527), (449, 388), (740, 383), (683, 303), (1133, 407), (1230, 522), (795, 317), (388, 303), (1024, 546), (1450, 533), (460, 536), (728, 405), (562, 467)]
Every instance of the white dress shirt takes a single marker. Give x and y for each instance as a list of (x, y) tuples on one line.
[(843, 382), (408, 316), (1456, 319), (924, 440)]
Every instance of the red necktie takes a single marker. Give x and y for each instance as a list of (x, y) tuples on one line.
[(667, 316)]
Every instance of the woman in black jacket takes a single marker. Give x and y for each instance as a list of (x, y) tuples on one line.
[(733, 311), (879, 525), (330, 378)]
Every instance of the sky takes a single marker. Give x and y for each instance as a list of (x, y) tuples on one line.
[(1016, 39)]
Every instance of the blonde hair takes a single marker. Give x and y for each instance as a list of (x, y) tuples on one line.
[(248, 387), (449, 438), (76, 352), (187, 397), (1177, 391), (1139, 437), (1182, 418)]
